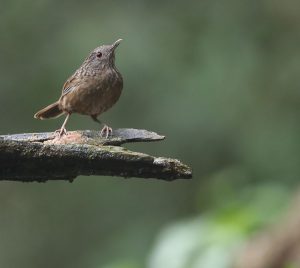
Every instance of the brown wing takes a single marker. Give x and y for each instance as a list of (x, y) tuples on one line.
[(72, 83), (81, 96)]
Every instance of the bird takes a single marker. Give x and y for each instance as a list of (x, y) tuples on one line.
[(93, 89)]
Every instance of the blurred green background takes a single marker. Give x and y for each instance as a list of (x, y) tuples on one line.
[(219, 78)]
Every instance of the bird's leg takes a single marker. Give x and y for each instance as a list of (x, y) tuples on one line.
[(63, 130), (94, 117), (106, 129)]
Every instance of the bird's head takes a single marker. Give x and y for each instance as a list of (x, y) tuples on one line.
[(103, 56)]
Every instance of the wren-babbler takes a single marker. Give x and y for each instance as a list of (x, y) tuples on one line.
[(91, 90)]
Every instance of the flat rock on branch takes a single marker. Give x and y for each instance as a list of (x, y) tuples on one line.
[(44, 156)]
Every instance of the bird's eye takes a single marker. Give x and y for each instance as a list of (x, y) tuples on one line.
[(99, 55)]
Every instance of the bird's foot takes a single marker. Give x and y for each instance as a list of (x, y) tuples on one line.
[(107, 130), (61, 132)]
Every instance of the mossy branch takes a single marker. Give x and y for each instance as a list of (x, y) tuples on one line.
[(45, 156)]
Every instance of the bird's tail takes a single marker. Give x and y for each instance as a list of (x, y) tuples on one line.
[(50, 111)]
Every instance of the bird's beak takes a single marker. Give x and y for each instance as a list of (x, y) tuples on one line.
[(115, 44)]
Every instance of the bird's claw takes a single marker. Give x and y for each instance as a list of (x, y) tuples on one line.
[(106, 129), (61, 132)]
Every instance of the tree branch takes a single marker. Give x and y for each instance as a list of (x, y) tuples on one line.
[(45, 156)]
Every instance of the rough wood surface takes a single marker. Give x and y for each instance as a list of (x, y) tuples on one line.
[(45, 156)]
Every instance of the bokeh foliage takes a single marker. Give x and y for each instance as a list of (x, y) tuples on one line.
[(219, 78)]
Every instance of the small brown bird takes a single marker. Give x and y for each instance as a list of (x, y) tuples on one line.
[(94, 88)]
